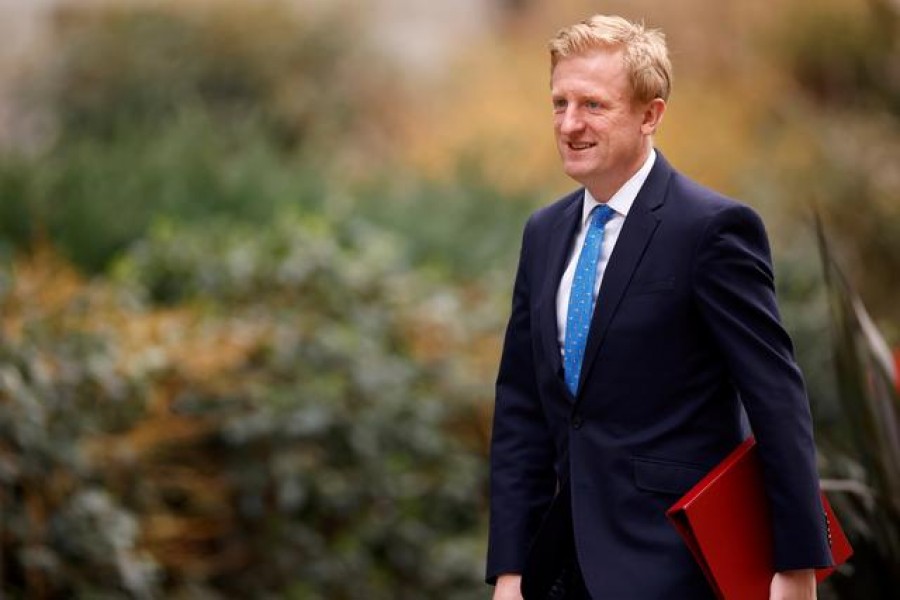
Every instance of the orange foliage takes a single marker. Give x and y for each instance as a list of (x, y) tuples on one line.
[(165, 447), (169, 457)]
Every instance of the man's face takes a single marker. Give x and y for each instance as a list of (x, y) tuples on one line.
[(601, 133)]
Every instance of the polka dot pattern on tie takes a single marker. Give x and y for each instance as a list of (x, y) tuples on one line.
[(581, 298)]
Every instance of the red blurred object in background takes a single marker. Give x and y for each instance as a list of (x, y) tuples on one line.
[(897, 368)]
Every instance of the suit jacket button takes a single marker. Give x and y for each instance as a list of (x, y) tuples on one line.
[(577, 420)]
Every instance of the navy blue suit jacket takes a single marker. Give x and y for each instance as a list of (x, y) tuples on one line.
[(685, 330)]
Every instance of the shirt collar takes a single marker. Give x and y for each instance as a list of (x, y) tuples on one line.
[(622, 200)]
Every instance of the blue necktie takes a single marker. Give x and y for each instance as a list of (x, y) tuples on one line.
[(581, 298)]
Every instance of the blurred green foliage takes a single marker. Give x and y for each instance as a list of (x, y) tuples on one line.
[(322, 455), (183, 115), (93, 198), (121, 68), (843, 59), (326, 460), (864, 454), (62, 532)]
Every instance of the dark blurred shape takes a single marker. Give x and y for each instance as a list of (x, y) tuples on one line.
[(846, 57), (515, 7), (863, 453)]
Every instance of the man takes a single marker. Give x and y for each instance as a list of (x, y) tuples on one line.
[(643, 317)]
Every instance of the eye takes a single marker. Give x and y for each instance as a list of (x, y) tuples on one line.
[(559, 104), (592, 105)]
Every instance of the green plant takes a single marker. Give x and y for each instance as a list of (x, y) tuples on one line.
[(181, 114), (283, 433), (863, 448)]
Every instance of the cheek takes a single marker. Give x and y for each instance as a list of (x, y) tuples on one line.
[(599, 126)]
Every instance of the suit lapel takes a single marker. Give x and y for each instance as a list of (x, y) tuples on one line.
[(558, 249), (638, 230)]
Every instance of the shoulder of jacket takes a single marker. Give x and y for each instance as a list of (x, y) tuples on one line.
[(549, 213), (706, 202)]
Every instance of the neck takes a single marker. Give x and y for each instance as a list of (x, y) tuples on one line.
[(603, 190)]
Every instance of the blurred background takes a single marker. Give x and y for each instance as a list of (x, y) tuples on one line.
[(256, 260)]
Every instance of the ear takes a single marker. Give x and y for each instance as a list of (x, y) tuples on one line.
[(653, 116)]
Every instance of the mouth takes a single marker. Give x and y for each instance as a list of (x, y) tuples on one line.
[(579, 146)]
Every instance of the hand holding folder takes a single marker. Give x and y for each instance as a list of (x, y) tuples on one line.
[(726, 523)]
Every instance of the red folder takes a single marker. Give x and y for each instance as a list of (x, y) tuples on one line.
[(725, 521)]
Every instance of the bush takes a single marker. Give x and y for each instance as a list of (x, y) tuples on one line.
[(63, 534), (93, 199), (286, 434), (184, 114)]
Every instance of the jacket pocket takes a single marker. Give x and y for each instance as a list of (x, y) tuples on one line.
[(665, 477)]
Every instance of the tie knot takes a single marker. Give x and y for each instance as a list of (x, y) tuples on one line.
[(601, 214)]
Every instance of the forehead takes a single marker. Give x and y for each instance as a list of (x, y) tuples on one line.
[(595, 71)]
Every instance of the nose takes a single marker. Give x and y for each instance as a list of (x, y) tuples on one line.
[(570, 121)]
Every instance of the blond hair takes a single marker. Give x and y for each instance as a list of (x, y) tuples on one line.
[(644, 51)]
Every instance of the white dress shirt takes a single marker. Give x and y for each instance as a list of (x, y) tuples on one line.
[(621, 203)]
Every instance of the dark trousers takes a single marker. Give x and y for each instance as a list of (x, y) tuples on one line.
[(569, 584), (553, 572)]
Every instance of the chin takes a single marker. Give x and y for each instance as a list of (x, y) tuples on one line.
[(576, 172)]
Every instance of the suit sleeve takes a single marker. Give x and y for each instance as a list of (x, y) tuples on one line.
[(523, 480), (734, 287)]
